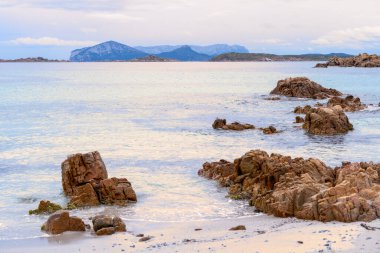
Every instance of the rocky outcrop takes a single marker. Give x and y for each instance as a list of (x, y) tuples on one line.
[(107, 225), (61, 221), (327, 121), (46, 207), (361, 60), (85, 180), (302, 87), (303, 188), (236, 126), (217, 171), (348, 104)]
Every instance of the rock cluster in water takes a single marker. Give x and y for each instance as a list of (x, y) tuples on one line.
[(303, 87), (361, 60), (85, 180), (303, 188), (236, 126), (327, 121)]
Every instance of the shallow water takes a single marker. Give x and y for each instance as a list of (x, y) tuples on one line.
[(151, 122)]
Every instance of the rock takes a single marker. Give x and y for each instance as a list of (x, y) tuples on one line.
[(61, 221), (303, 87), (240, 227), (302, 110), (299, 119), (84, 195), (236, 126), (115, 191), (85, 179), (348, 104), (145, 238), (361, 60), (46, 207), (217, 170), (106, 225), (321, 65), (307, 189), (106, 231), (327, 121), (80, 169), (273, 98), (269, 130)]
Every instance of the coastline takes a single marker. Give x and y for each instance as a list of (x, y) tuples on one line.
[(263, 234)]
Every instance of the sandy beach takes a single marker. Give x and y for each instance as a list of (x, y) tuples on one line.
[(262, 234)]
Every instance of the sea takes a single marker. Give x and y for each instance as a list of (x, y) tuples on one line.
[(151, 123)]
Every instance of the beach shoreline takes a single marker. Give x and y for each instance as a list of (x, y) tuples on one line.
[(263, 234)]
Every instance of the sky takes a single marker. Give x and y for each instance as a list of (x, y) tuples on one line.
[(53, 28)]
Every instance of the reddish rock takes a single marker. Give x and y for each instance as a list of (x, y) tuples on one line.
[(80, 169), (217, 170), (361, 60), (327, 121), (299, 119), (107, 225), (84, 195), (307, 188), (84, 178), (302, 110), (61, 221), (236, 126), (115, 191), (348, 104), (303, 87)]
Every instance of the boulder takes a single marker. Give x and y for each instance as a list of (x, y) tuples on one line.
[(269, 130), (361, 60), (85, 180), (302, 110), (327, 121), (84, 195), (46, 207), (61, 221), (115, 191), (306, 188), (299, 119), (303, 87), (348, 104), (80, 169), (107, 225), (236, 126)]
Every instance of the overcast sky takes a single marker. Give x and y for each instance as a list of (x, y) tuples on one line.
[(53, 28)]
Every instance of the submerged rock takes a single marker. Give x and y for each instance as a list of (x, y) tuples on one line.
[(236, 126), (61, 221), (107, 225), (85, 180), (303, 87), (269, 130), (327, 121), (305, 188), (46, 207), (361, 60)]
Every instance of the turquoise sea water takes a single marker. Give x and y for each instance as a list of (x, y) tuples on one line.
[(151, 122)]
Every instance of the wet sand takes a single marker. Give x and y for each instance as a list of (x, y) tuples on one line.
[(263, 234)]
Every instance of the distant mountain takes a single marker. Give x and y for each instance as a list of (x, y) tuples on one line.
[(106, 51), (32, 59), (185, 53), (273, 57), (209, 50)]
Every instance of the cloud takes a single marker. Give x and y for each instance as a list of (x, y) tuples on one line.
[(352, 36), (49, 41)]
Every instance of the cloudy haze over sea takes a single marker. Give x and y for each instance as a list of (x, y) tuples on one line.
[(53, 28)]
